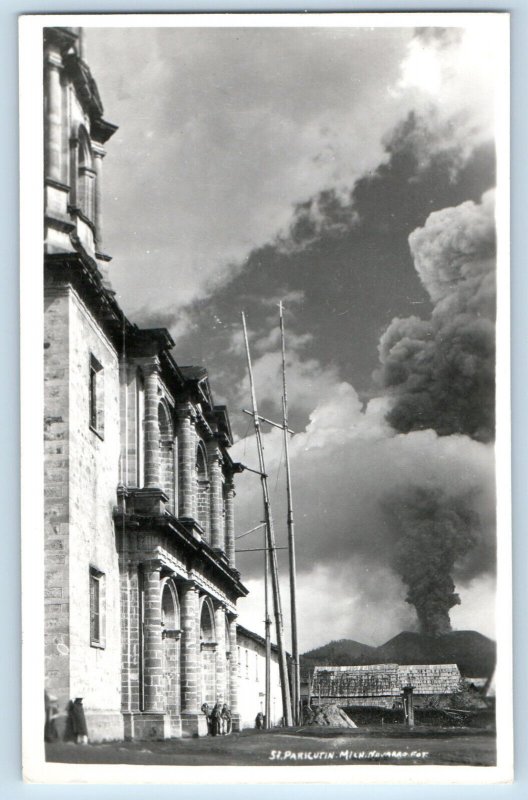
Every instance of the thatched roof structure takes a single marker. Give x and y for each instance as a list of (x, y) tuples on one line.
[(385, 680)]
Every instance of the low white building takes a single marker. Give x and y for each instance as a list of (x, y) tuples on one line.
[(251, 654)]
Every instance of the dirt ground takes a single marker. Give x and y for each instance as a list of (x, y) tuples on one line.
[(387, 745)]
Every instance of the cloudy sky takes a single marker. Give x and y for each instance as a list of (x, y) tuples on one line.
[(350, 173)]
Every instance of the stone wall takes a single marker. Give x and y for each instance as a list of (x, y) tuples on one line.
[(94, 475), (81, 476), (56, 497)]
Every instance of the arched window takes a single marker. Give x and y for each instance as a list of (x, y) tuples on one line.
[(170, 614), (207, 629), (201, 463)]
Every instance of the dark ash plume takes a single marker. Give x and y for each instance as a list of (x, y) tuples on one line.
[(441, 371), (433, 531)]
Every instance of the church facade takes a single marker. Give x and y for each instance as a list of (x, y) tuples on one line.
[(141, 586)]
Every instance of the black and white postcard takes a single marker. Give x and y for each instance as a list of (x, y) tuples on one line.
[(265, 398)]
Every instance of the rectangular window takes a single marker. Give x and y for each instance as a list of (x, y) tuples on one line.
[(97, 620), (247, 663), (256, 667), (96, 397)]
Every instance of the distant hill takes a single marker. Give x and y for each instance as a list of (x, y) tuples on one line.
[(473, 652), (340, 652)]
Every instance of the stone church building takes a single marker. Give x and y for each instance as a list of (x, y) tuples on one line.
[(141, 586)]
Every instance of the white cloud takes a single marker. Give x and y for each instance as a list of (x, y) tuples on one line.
[(455, 74), (477, 608), (307, 379), (334, 602), (225, 130)]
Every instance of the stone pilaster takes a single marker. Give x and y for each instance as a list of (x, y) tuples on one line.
[(216, 496), (193, 721), (53, 114), (221, 662), (153, 653), (233, 676), (230, 523), (98, 154), (186, 462), (152, 434), (124, 579), (130, 645)]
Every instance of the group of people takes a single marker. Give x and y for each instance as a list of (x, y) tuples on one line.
[(218, 719)]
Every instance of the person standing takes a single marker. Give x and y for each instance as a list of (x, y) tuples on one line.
[(205, 711), (216, 720), (226, 720), (52, 712), (78, 721)]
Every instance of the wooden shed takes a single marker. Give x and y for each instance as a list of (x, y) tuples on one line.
[(382, 684)]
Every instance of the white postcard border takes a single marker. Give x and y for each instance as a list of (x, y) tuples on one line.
[(36, 770)]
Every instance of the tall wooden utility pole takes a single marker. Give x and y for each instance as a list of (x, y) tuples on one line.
[(272, 552), (296, 670), (267, 628)]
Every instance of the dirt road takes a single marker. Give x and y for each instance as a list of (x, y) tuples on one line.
[(390, 745)]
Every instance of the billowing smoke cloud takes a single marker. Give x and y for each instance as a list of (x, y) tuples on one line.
[(440, 374), (433, 531), (359, 487), (441, 371), (405, 485)]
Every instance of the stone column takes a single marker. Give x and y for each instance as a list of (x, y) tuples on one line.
[(152, 435), (193, 720), (216, 497), (130, 643), (233, 677), (221, 664), (186, 462), (153, 653), (74, 167), (98, 153), (230, 523), (54, 108)]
